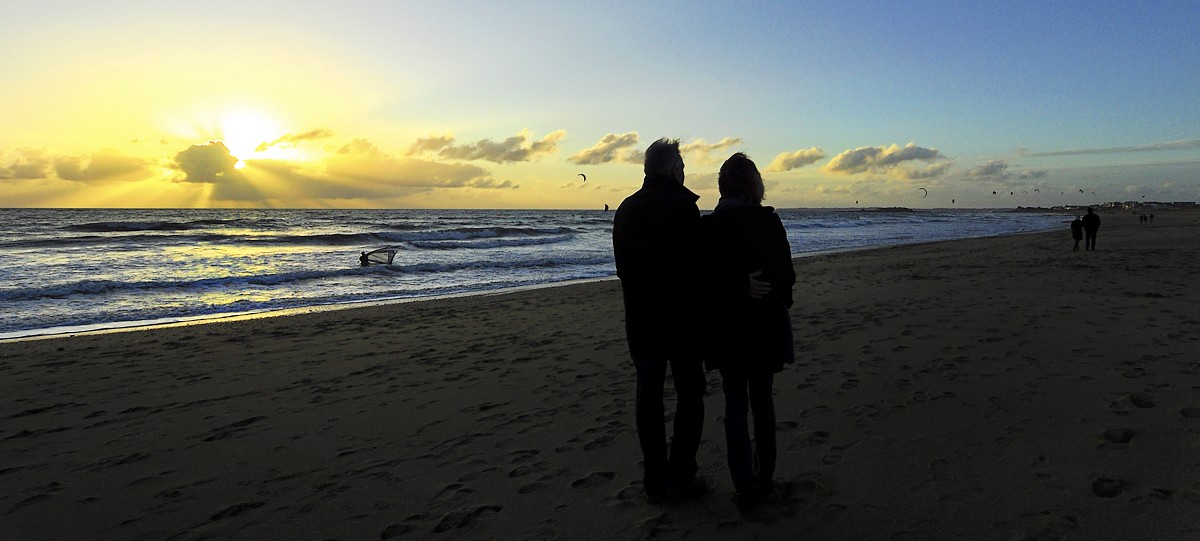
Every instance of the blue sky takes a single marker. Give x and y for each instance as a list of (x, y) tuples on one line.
[(478, 104)]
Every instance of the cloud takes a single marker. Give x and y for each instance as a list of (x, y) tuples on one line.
[(356, 170), (997, 170), (880, 160), (290, 139), (919, 173), (103, 165), (209, 163), (610, 148), (362, 161), (620, 148), (1187, 144), (702, 181), (702, 151), (836, 189), (786, 161), (518, 148), (429, 144), (28, 164)]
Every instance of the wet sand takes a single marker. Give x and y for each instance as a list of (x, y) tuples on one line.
[(1003, 388)]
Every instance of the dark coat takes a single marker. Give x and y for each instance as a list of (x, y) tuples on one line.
[(654, 244), (1091, 222), (1077, 229), (745, 335)]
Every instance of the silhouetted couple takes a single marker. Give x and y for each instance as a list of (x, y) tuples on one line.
[(709, 291)]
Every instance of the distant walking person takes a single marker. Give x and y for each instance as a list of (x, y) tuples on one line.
[(1077, 231), (750, 336), (1091, 224), (655, 244)]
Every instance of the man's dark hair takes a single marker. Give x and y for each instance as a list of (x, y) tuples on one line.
[(661, 155)]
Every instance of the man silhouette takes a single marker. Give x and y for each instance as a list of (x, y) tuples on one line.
[(654, 243), (1091, 224)]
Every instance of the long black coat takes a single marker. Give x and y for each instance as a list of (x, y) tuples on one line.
[(744, 335), (654, 244)]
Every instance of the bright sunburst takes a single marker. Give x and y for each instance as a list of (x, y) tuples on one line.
[(246, 132)]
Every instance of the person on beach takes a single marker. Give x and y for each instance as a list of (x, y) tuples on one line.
[(363, 260), (1091, 224), (654, 244), (1077, 231), (751, 337)]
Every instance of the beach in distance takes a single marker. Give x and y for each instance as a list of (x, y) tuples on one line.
[(985, 388)]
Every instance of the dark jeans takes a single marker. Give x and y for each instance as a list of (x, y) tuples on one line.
[(678, 469), (755, 391), (1089, 241)]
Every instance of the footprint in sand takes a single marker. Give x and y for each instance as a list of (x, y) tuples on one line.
[(526, 489), (523, 470), (835, 455), (1108, 487), (395, 530), (1043, 468), (630, 492), (523, 455), (1118, 435), (818, 438), (1143, 400), (593, 479), (236, 510), (462, 517), (1134, 373)]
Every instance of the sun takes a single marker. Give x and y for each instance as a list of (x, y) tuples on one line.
[(248, 135)]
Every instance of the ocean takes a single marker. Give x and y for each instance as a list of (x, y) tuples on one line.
[(72, 270)]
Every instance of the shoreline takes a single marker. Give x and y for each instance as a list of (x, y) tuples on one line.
[(140, 325), (989, 388)]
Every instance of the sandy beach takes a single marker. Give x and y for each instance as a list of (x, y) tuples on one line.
[(998, 388)]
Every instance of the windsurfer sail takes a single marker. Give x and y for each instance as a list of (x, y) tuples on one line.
[(382, 256)]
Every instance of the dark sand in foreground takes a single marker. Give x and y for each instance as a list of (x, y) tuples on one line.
[(1003, 388)]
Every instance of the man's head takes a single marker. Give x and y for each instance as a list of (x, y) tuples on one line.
[(662, 158), (1089, 210), (739, 177)]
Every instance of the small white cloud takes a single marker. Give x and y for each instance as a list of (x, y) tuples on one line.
[(786, 161), (518, 148), (886, 161), (702, 151), (609, 148), (291, 139)]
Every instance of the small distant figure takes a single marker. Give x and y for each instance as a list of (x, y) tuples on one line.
[(1077, 232), (1091, 224), (362, 260), (1142, 218), (1151, 218)]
